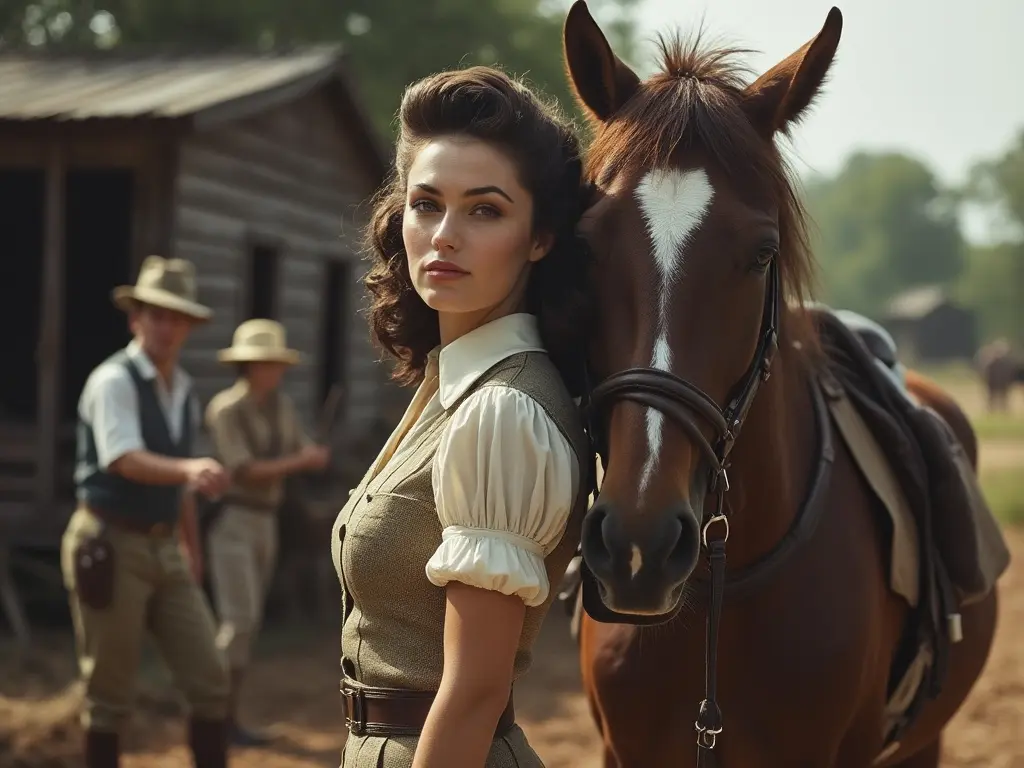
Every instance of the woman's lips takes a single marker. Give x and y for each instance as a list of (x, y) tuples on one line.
[(444, 270)]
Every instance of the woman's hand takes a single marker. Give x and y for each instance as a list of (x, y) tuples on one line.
[(481, 634)]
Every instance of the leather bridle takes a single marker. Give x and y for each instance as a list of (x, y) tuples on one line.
[(684, 403)]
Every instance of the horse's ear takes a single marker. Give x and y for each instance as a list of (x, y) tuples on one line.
[(601, 81), (781, 95)]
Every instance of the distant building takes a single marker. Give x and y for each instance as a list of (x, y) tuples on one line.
[(929, 326)]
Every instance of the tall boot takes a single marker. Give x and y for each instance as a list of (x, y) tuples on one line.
[(208, 740), (102, 749), (237, 734)]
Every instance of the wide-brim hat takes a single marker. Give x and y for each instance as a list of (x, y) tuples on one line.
[(259, 341), (166, 283)]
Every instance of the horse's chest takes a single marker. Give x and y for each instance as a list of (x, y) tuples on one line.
[(785, 657)]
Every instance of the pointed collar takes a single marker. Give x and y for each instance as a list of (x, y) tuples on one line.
[(462, 362)]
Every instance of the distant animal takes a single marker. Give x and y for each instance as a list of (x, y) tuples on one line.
[(1000, 368)]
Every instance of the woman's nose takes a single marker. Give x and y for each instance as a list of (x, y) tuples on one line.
[(445, 237)]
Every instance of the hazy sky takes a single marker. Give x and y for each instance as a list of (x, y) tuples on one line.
[(943, 80)]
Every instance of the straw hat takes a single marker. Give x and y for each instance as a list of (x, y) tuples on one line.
[(259, 341), (166, 283)]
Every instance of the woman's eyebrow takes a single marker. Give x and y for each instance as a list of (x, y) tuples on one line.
[(474, 192)]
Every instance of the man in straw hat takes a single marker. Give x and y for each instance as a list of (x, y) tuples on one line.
[(257, 435), (121, 556)]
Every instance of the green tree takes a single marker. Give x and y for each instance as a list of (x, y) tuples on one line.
[(882, 224), (997, 273), (991, 286)]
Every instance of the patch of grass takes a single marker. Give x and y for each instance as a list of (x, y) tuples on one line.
[(953, 375), (1004, 490), (995, 426)]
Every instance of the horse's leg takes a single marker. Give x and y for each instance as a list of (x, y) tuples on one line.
[(928, 757), (636, 715), (586, 645)]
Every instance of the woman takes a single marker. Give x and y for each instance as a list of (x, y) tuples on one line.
[(447, 549)]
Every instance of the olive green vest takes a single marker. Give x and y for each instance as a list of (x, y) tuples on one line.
[(393, 624)]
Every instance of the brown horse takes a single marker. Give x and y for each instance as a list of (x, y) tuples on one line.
[(698, 238), (1000, 368)]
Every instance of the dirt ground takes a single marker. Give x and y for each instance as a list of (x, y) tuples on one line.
[(293, 695)]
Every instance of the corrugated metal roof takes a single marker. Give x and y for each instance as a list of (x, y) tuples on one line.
[(36, 87)]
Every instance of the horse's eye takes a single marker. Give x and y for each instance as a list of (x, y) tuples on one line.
[(765, 255)]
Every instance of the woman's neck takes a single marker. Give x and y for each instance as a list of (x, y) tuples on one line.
[(454, 325)]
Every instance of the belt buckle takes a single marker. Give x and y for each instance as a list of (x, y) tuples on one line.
[(160, 529), (355, 711)]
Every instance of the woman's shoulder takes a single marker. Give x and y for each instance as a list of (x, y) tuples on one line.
[(533, 374), (531, 379)]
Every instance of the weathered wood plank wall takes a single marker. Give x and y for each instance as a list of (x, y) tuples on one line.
[(291, 179)]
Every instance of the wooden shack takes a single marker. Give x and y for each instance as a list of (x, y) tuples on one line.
[(929, 326), (257, 167)]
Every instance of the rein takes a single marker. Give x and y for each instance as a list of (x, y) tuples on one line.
[(681, 401)]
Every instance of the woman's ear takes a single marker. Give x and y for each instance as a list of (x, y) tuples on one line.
[(542, 244)]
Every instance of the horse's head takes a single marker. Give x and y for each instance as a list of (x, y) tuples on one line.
[(697, 237)]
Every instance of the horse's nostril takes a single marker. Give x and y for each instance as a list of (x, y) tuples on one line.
[(682, 558), (595, 545), (592, 536)]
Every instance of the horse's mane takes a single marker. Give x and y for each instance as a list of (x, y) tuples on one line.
[(695, 100)]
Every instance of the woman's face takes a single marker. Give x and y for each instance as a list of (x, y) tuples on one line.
[(468, 233)]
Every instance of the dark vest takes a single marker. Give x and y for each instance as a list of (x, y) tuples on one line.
[(147, 504)]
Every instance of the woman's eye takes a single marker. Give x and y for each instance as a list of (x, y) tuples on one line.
[(486, 210), (423, 205)]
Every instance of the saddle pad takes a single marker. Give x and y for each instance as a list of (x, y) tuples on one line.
[(904, 564)]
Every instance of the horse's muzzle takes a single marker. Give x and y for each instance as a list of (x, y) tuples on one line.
[(640, 562)]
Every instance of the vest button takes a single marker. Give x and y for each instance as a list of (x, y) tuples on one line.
[(369, 497)]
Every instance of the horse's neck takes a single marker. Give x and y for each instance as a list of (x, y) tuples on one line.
[(772, 461)]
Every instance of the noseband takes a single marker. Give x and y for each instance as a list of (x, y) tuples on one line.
[(685, 403), (682, 401)]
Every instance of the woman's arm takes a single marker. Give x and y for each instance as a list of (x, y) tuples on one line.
[(481, 634), (505, 480)]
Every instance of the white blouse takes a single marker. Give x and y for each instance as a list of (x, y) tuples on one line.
[(505, 478)]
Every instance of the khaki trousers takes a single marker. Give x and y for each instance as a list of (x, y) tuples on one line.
[(153, 592), (242, 546)]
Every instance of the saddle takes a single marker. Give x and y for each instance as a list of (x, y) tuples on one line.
[(956, 528), (952, 546)]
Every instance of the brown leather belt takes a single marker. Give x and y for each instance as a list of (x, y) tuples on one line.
[(398, 712), (157, 530)]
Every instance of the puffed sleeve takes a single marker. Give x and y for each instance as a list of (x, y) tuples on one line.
[(505, 480)]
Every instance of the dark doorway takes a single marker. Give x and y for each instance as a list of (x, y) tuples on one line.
[(334, 338), (99, 205), (263, 274), (22, 194)]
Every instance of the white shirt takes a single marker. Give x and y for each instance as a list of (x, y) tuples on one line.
[(110, 405), (505, 477)]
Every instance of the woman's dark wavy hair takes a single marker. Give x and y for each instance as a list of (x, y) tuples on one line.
[(486, 104)]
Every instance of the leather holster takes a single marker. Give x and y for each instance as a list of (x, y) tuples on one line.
[(94, 572)]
